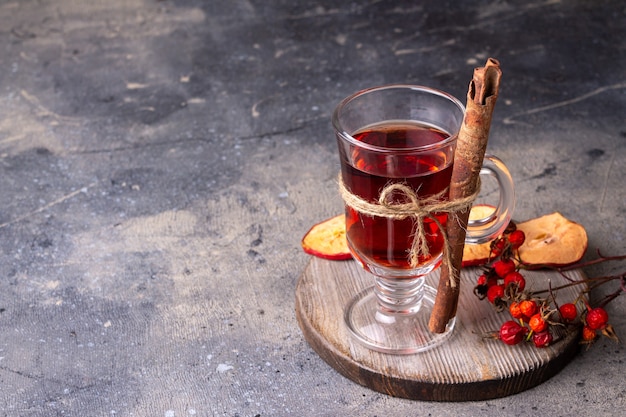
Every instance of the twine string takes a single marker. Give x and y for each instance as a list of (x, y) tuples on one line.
[(415, 208)]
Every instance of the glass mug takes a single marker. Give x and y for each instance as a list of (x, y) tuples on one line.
[(403, 137)]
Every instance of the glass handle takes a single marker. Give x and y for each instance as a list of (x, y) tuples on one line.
[(492, 226)]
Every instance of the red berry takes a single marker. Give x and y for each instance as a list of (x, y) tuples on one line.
[(537, 324), (597, 318), (482, 280), (503, 267), (542, 339), (588, 334), (483, 283), (528, 307), (568, 311), (515, 278), (498, 246), (512, 333), (486, 280), (515, 310), (517, 238), (495, 293)]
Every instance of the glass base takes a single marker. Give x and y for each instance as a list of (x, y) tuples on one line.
[(399, 333)]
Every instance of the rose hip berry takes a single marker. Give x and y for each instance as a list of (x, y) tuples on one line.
[(503, 267), (498, 246), (515, 278), (486, 281), (588, 334), (515, 310), (512, 333), (537, 323), (495, 293), (568, 312), (542, 339), (483, 283), (597, 318), (517, 238), (528, 307), (481, 280)]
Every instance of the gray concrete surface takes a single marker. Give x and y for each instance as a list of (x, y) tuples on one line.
[(160, 161)]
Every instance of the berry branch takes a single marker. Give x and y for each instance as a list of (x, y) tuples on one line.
[(601, 258), (578, 265), (534, 318)]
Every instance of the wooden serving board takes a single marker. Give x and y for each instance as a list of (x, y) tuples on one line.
[(464, 368)]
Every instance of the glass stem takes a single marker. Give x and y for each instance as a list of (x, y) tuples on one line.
[(399, 296)]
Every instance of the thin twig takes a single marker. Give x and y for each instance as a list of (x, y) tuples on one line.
[(601, 258), (598, 281)]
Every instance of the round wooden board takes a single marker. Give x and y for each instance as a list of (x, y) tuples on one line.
[(465, 368)]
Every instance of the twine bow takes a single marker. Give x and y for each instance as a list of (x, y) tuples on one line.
[(416, 208)]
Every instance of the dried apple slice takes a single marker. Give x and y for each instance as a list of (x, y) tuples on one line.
[(552, 240), (328, 239), (477, 254)]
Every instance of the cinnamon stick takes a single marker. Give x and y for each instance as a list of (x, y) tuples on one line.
[(468, 160)]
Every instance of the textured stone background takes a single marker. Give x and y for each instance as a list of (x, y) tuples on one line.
[(160, 161)]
